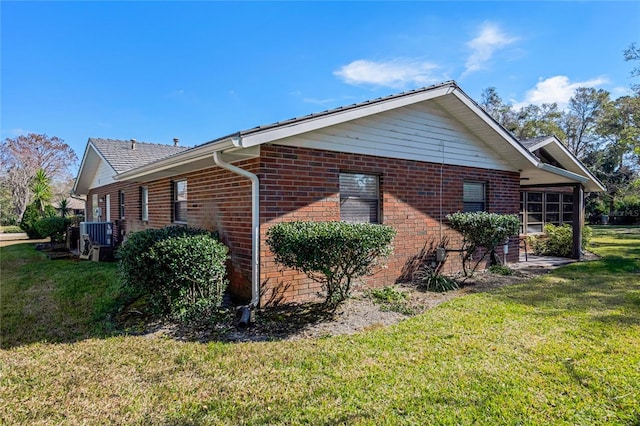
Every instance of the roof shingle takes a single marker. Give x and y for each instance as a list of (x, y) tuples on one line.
[(119, 154)]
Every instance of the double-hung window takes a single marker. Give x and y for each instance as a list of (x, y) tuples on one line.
[(121, 204), (474, 196), (359, 198), (144, 203), (180, 201)]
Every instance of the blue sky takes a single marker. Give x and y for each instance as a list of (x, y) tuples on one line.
[(200, 70)]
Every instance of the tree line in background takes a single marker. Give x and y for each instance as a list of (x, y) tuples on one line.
[(602, 132), (35, 172)]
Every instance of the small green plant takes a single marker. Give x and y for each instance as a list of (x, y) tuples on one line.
[(390, 298), (431, 280), (388, 294), (331, 253), (500, 270)]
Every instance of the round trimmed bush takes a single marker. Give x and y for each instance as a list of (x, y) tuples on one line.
[(331, 253), (181, 269)]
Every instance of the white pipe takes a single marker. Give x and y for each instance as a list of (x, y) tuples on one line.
[(255, 225)]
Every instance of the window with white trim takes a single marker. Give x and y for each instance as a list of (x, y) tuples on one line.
[(144, 203), (359, 198), (474, 196)]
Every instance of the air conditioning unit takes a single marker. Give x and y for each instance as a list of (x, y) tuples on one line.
[(100, 233), (101, 253)]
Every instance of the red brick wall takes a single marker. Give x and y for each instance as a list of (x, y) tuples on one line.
[(303, 184), (218, 200)]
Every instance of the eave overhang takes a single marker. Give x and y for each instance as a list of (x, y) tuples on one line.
[(197, 158), (88, 167), (569, 162)]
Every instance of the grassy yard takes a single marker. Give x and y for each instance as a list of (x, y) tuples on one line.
[(560, 349)]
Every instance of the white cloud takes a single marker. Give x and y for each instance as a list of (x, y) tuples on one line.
[(558, 89), (490, 39), (397, 73)]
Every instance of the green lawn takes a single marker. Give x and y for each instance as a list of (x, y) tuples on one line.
[(560, 349)]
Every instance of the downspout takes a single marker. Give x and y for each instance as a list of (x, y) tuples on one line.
[(245, 311)]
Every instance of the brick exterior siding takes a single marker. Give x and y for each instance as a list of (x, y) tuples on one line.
[(303, 184)]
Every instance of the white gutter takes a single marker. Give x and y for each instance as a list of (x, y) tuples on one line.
[(255, 226), (562, 172)]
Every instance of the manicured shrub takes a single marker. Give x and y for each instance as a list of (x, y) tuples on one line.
[(557, 240), (32, 214), (193, 275), (54, 227), (181, 269), (331, 253), (482, 230)]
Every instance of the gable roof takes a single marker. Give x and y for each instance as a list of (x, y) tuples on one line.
[(447, 97), (121, 157), (118, 156), (552, 146)]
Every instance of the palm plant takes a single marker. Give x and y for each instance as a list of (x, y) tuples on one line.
[(41, 189), (63, 206)]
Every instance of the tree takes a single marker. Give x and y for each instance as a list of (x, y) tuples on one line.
[(632, 53), (22, 156), (581, 120), (502, 112), (41, 190), (63, 206), (533, 121), (528, 122)]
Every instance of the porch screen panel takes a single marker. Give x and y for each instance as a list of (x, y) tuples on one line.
[(359, 198), (535, 213), (552, 208), (567, 208)]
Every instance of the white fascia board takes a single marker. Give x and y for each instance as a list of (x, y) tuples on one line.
[(543, 142), (495, 126), (81, 169), (564, 173), (570, 156), (338, 117), (87, 152), (180, 159)]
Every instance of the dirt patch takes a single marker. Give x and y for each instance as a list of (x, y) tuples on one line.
[(360, 312)]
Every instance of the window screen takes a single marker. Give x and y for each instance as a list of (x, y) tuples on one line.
[(180, 201), (144, 203), (121, 203), (473, 196), (359, 198)]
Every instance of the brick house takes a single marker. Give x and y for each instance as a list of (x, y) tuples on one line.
[(405, 160)]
